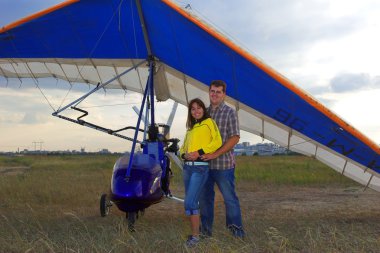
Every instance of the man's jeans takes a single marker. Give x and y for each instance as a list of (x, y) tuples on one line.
[(194, 178), (225, 179)]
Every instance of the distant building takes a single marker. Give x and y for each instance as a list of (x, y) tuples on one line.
[(262, 149), (82, 151), (245, 144), (104, 151)]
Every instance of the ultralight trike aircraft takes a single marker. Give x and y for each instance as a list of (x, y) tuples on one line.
[(164, 51)]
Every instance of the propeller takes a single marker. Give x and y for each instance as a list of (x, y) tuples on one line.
[(172, 113), (137, 111)]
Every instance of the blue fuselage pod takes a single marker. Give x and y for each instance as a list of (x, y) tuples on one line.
[(142, 188)]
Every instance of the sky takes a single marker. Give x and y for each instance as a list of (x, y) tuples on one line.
[(328, 48)]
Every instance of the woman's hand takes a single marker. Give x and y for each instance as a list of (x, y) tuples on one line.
[(192, 156)]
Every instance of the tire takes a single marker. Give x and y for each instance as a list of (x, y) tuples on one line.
[(104, 205), (131, 217)]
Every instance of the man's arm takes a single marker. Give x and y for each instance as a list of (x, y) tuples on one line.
[(227, 146)]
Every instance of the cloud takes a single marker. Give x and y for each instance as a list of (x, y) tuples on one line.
[(376, 81), (345, 83), (307, 42), (279, 33), (318, 90), (30, 118), (9, 118), (328, 102), (352, 82)]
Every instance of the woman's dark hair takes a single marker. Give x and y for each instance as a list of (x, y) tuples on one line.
[(190, 120)]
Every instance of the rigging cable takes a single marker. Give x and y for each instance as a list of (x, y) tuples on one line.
[(80, 68), (30, 72)]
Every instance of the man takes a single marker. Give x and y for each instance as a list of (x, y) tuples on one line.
[(222, 165)]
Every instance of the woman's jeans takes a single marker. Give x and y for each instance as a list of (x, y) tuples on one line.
[(194, 178)]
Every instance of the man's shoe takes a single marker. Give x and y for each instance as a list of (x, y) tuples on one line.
[(236, 231), (203, 236), (192, 241), (204, 233)]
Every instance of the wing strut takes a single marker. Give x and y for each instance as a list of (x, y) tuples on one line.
[(98, 87), (85, 113)]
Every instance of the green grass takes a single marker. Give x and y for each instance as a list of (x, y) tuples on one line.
[(288, 170), (54, 207)]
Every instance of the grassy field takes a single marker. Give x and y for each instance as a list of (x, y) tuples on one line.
[(289, 204)]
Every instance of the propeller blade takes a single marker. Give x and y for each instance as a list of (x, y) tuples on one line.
[(172, 113), (137, 111)]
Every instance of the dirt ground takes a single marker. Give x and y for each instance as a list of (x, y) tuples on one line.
[(312, 199), (13, 170), (300, 201)]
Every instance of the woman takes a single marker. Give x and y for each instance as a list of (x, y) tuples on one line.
[(202, 137)]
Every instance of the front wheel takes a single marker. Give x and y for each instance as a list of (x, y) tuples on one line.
[(105, 205)]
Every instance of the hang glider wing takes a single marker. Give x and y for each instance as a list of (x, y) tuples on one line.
[(92, 41)]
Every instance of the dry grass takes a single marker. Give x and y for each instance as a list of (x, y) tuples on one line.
[(53, 207)]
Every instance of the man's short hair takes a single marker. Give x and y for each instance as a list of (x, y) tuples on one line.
[(219, 83)]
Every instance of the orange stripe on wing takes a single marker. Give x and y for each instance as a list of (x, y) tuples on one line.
[(37, 15), (278, 77)]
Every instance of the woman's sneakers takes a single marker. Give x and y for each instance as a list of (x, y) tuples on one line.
[(192, 241)]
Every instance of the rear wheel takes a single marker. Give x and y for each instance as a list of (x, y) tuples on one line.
[(131, 217), (105, 205)]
